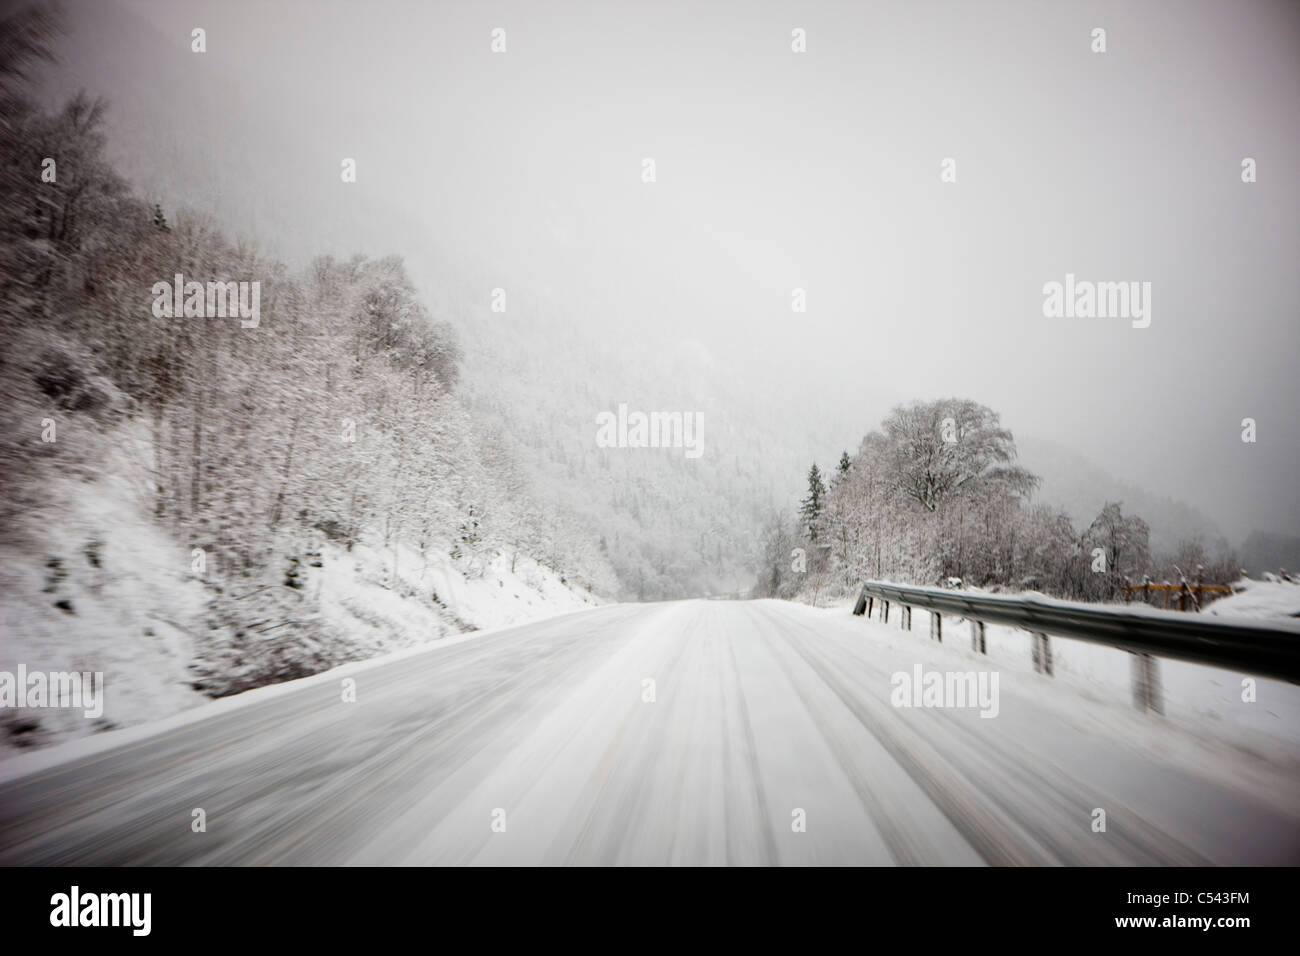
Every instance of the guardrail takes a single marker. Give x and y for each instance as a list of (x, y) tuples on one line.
[(1246, 648)]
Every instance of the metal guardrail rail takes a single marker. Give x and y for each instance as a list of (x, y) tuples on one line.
[(1246, 648)]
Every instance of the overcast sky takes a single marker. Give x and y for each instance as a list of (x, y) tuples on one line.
[(818, 170)]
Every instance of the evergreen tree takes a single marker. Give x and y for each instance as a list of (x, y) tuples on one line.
[(842, 472), (812, 506)]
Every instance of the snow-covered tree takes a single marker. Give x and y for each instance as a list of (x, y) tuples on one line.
[(812, 506)]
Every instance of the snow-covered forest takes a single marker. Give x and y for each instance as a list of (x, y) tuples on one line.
[(935, 494), (249, 455)]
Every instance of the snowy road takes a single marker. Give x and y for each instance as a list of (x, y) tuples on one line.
[(766, 736)]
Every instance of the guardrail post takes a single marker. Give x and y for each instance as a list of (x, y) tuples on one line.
[(884, 611), (1042, 654), (977, 637), (1146, 684), (906, 620), (936, 626)]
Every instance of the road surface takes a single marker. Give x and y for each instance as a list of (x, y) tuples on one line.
[(696, 732)]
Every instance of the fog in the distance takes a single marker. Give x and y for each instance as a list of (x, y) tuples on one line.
[(777, 171)]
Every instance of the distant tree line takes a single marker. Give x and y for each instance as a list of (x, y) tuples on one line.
[(935, 494)]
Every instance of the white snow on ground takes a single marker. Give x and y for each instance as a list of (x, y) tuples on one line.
[(757, 710), (127, 601), (356, 594), (130, 606), (30, 761), (1206, 729), (1205, 699), (1202, 701), (1273, 599)]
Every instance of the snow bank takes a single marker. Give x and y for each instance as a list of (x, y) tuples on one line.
[(1273, 599), (1200, 699), (108, 590)]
